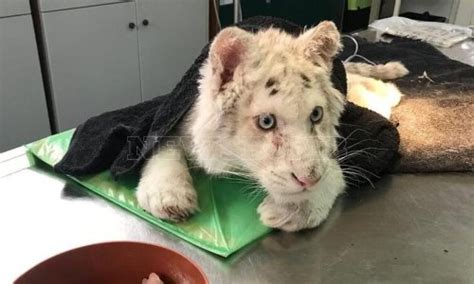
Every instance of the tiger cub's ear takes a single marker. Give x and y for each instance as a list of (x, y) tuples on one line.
[(227, 52), (321, 43)]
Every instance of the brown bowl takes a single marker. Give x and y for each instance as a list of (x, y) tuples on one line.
[(115, 262)]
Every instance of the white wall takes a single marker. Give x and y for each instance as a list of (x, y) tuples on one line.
[(441, 8), (465, 13), (444, 8)]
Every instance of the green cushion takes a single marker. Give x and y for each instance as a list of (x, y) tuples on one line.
[(226, 222)]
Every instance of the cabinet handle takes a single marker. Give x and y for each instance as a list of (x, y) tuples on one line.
[(131, 25), (146, 22)]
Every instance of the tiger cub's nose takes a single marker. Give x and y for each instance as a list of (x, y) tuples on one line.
[(305, 181)]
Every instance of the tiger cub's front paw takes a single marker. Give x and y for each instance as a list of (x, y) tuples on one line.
[(290, 217), (173, 203)]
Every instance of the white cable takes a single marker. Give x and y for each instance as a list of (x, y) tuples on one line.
[(216, 12), (356, 50), (241, 16), (236, 11)]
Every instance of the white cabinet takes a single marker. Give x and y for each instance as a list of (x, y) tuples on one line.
[(54, 5), (104, 57), (174, 33), (93, 64), (23, 111), (9, 8)]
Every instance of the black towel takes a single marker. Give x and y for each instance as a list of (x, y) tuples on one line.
[(121, 140)]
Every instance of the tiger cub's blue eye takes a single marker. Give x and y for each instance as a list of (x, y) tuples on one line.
[(316, 114), (266, 121)]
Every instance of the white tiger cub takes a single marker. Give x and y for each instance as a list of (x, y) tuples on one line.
[(371, 93), (267, 109)]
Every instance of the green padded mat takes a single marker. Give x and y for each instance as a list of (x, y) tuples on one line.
[(226, 222)]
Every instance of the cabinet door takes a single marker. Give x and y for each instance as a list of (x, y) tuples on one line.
[(177, 30), (93, 59), (52, 5), (23, 112), (14, 7)]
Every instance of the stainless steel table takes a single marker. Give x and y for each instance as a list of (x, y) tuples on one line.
[(412, 229)]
